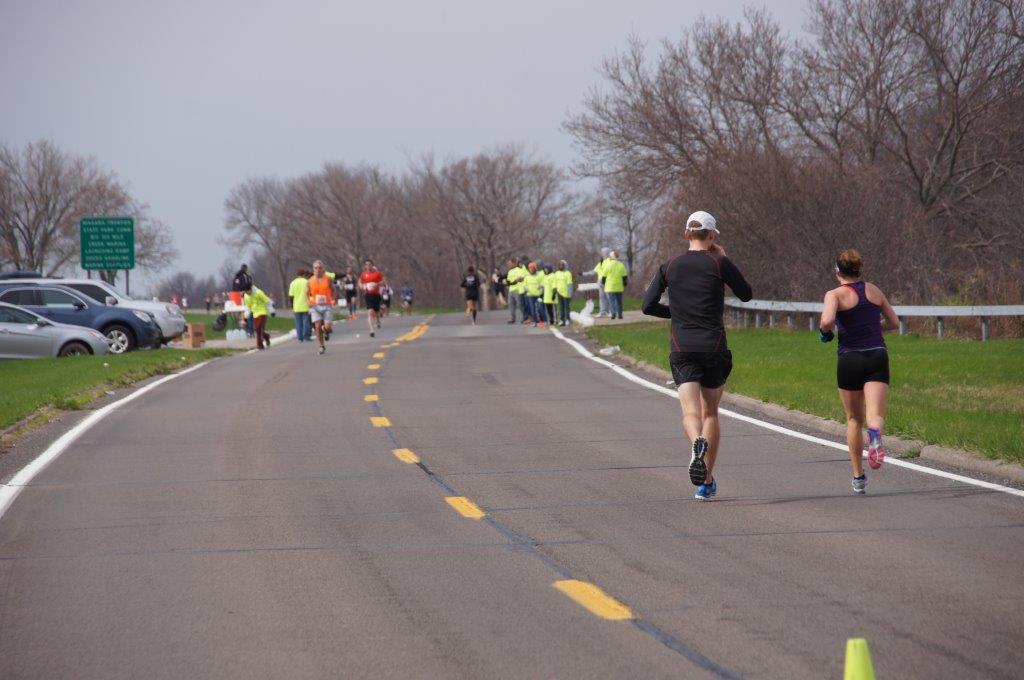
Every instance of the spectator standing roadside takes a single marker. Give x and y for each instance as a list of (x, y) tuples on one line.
[(549, 295), (298, 291), (598, 271), (615, 277), (534, 289), (563, 290), (209, 302), (516, 287)]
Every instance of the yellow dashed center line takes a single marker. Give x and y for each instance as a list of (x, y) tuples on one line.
[(378, 355), (373, 367), (370, 381), (465, 507), (406, 456), (594, 600), (371, 397), (380, 421)]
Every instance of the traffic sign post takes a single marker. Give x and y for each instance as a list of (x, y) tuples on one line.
[(108, 244)]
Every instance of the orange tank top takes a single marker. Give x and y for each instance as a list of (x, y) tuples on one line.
[(321, 292)]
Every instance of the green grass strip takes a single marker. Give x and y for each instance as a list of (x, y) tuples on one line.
[(30, 385), (958, 393)]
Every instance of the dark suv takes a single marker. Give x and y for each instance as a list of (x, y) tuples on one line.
[(125, 329)]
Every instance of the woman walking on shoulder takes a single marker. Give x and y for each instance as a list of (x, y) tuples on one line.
[(700, 358), (861, 313)]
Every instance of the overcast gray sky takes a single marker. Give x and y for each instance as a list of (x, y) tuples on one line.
[(183, 100)]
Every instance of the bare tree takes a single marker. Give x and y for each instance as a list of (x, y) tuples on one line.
[(255, 215), (44, 192), (496, 204)]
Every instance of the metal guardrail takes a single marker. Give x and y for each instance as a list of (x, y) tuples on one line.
[(938, 312)]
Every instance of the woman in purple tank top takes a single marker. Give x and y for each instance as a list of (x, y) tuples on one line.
[(861, 313)]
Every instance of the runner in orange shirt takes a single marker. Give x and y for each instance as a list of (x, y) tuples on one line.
[(321, 300), (372, 281)]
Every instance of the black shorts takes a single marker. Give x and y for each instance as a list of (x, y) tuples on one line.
[(472, 295), (351, 295), (856, 368), (373, 302), (710, 369)]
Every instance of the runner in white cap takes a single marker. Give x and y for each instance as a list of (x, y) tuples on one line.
[(700, 357)]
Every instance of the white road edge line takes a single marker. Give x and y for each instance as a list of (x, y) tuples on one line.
[(632, 377), (10, 490)]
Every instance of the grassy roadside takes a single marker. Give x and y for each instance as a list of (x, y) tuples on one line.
[(629, 304), (41, 386), (962, 394)]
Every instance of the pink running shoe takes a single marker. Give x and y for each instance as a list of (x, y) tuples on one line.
[(876, 452)]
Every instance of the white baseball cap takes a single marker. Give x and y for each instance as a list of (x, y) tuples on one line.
[(706, 220)]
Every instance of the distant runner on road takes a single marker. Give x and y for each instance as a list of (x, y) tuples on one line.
[(471, 284), (700, 357), (321, 299), (407, 294), (350, 284), (861, 313), (371, 281)]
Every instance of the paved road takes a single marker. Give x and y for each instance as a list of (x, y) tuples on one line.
[(248, 520)]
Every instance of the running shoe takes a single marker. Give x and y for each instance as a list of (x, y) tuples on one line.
[(372, 334), (876, 452), (511, 321), (321, 350), (860, 484), (698, 468), (706, 491)]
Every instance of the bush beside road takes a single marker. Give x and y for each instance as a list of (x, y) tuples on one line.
[(38, 385), (961, 394)]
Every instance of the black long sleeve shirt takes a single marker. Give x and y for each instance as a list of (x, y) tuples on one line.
[(696, 283)]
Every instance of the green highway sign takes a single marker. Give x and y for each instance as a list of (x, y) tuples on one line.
[(108, 243)]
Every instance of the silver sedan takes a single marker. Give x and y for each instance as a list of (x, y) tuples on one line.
[(25, 335)]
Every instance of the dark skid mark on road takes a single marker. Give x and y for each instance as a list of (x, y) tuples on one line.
[(524, 544)]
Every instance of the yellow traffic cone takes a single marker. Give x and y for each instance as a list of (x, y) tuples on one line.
[(858, 660)]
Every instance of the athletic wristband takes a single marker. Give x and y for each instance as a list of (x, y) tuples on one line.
[(826, 336)]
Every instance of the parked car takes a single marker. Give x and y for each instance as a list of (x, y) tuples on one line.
[(24, 335), (168, 316), (125, 329)]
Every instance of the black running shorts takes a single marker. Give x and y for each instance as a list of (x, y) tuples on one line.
[(710, 369), (858, 367), (373, 302)]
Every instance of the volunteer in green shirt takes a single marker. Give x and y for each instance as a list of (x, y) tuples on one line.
[(563, 292), (534, 283), (615, 279), (259, 306), (516, 287), (549, 292), (298, 291)]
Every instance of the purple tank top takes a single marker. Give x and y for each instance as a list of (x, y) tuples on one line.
[(860, 327)]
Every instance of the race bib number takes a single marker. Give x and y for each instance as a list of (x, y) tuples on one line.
[(321, 299), (371, 286), (350, 286)]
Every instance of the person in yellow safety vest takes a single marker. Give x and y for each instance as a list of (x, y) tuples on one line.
[(259, 306), (298, 291), (616, 276), (534, 283), (563, 291), (550, 294), (516, 287), (598, 271)]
